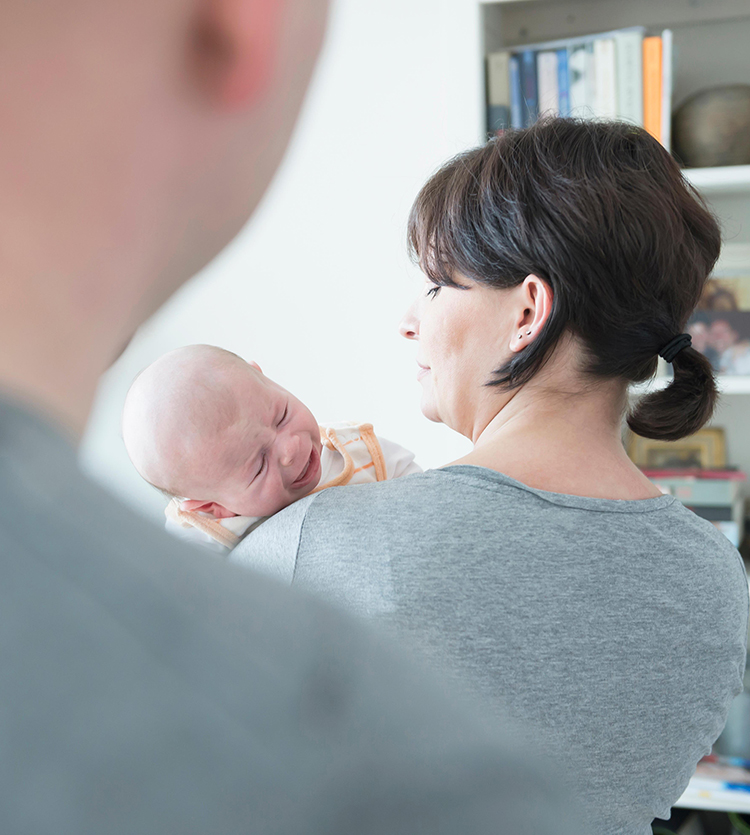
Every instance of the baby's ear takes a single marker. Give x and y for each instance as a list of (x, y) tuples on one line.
[(218, 511)]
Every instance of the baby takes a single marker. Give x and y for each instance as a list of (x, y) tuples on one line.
[(231, 447)]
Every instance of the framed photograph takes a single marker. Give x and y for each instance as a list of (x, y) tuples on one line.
[(706, 450), (723, 336), (720, 326)]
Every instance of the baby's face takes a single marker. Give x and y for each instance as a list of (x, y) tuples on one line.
[(267, 457)]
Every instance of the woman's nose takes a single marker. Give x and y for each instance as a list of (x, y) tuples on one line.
[(409, 327)]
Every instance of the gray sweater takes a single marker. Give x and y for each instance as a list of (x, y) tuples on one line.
[(147, 689), (617, 628)]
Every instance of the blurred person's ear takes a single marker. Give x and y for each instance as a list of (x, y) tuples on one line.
[(235, 44)]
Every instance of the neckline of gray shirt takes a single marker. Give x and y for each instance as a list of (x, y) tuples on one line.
[(492, 480)]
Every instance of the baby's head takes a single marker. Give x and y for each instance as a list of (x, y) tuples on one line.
[(202, 424)]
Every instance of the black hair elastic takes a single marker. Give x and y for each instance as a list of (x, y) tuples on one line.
[(674, 346)]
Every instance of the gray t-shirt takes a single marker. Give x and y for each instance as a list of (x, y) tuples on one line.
[(149, 689), (618, 628)]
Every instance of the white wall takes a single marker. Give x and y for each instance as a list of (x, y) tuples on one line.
[(314, 287)]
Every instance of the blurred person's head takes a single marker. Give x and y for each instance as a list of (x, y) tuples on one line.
[(700, 335), (138, 137), (722, 335)]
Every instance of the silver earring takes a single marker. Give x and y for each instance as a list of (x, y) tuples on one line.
[(528, 333), (520, 336)]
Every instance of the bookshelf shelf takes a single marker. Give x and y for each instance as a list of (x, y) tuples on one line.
[(729, 179), (727, 385)]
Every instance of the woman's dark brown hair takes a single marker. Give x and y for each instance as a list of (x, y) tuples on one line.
[(601, 212)]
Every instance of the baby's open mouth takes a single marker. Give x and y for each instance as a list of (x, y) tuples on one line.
[(309, 471)]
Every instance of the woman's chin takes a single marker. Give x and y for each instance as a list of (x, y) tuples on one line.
[(430, 412)]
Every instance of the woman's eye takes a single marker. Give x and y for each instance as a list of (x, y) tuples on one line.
[(433, 291)]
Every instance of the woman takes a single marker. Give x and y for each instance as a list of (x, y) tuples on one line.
[(543, 568)]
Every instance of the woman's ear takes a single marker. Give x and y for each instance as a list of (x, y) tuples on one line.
[(534, 302), (233, 48), (218, 511)]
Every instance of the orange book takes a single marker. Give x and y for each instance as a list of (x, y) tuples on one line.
[(652, 78)]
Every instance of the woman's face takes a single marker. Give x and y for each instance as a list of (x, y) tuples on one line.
[(463, 335)]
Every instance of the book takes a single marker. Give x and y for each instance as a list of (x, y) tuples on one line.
[(718, 783), (498, 92), (629, 54), (548, 83), (666, 89), (605, 86), (516, 95), (652, 83), (529, 95), (712, 512), (563, 84), (622, 74)]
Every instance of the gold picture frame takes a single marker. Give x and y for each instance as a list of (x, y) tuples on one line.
[(705, 450)]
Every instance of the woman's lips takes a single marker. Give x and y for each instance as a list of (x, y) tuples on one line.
[(310, 473), (422, 370)]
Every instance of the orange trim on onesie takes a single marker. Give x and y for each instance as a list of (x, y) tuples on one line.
[(373, 447), (191, 519), (364, 467), (330, 439)]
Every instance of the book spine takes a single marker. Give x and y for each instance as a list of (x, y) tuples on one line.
[(530, 101), (629, 49), (563, 84), (549, 96), (577, 80), (652, 81), (605, 101), (666, 89), (498, 92), (516, 96)]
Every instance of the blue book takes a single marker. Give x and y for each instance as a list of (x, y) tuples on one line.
[(516, 99), (563, 84), (529, 87)]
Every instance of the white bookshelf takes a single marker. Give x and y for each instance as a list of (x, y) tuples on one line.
[(729, 179)]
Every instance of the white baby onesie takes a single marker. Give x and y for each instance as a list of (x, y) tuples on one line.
[(351, 454)]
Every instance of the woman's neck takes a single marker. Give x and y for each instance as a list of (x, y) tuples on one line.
[(564, 441)]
